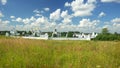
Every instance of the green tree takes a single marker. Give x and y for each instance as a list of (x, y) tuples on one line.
[(105, 31), (70, 34)]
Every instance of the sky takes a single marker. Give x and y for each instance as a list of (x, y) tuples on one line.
[(63, 15)]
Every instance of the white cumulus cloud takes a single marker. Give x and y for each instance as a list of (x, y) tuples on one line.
[(67, 4), (88, 23), (113, 25), (117, 1), (19, 19), (3, 2), (38, 15), (101, 14), (80, 8), (32, 18), (12, 17), (1, 15), (36, 11), (4, 24), (26, 21), (41, 20), (66, 17), (116, 20), (46, 9), (55, 15)]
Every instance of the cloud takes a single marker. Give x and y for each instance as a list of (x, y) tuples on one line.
[(66, 17), (64, 27), (38, 15), (89, 24), (80, 8), (55, 15), (43, 23), (101, 14), (113, 25), (25, 20), (116, 20), (46, 9), (64, 14), (12, 17), (36, 11), (32, 18), (41, 20), (86, 25), (116, 1), (19, 19), (66, 21), (1, 15), (4, 24), (3, 2), (62, 20), (67, 4), (113, 28), (32, 22)]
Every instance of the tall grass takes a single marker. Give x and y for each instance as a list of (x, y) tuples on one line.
[(25, 53)]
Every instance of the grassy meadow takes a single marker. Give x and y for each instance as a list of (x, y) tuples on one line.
[(25, 53)]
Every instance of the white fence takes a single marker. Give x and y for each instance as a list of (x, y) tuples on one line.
[(69, 38)]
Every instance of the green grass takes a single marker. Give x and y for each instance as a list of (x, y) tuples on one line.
[(25, 53)]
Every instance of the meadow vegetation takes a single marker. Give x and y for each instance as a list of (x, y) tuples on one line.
[(25, 53)]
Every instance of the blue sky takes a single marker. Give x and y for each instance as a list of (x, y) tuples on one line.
[(64, 15)]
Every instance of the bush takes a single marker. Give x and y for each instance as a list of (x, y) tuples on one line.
[(107, 37)]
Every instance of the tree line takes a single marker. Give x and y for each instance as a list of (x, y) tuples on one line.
[(105, 35)]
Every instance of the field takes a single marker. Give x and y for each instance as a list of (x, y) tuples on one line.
[(25, 53)]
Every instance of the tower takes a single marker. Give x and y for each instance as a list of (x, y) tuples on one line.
[(55, 34)]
